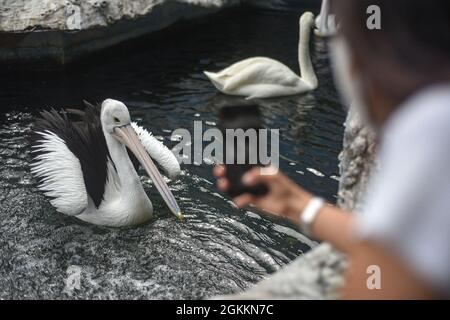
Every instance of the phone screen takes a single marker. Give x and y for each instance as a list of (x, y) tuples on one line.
[(243, 150)]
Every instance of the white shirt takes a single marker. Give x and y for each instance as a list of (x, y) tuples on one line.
[(407, 206)]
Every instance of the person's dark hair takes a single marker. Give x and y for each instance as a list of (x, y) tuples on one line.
[(412, 49)]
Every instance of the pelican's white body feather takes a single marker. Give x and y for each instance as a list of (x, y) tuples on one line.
[(62, 176)]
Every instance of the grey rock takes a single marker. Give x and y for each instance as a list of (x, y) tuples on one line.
[(316, 275), (59, 31), (357, 161), (22, 15)]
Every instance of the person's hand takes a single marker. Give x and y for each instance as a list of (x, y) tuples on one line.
[(285, 198)]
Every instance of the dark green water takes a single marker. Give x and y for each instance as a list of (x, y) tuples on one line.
[(218, 249)]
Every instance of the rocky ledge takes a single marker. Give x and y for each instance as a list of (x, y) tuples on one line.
[(66, 15), (59, 31)]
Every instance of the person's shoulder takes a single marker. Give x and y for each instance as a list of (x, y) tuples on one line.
[(424, 116)]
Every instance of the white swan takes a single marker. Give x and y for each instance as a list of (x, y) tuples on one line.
[(262, 77), (325, 22)]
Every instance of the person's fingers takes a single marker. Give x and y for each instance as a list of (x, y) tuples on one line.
[(223, 184), (257, 175), (251, 177), (219, 171), (243, 200)]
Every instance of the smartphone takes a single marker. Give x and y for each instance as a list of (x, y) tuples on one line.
[(243, 117)]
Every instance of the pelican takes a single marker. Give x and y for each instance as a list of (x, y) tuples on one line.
[(325, 22), (262, 77), (88, 167)]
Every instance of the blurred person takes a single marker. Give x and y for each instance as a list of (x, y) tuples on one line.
[(398, 77)]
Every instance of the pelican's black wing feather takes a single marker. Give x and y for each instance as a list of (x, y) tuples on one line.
[(85, 140)]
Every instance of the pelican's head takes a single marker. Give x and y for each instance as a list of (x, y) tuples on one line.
[(116, 122), (114, 114)]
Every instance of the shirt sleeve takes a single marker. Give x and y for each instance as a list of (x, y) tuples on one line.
[(407, 207)]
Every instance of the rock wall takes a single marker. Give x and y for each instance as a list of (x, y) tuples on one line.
[(357, 162), (55, 32), (64, 15), (319, 274)]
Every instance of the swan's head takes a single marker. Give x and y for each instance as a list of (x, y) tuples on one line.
[(116, 122), (307, 20)]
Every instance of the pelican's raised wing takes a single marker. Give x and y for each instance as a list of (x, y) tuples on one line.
[(60, 175), (70, 159), (158, 151)]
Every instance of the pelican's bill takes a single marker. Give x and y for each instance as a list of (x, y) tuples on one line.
[(128, 136)]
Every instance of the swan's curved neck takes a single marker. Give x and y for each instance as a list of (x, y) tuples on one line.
[(304, 58)]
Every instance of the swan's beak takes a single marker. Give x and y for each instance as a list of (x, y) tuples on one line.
[(128, 137)]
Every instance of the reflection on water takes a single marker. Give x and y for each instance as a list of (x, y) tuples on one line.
[(218, 249)]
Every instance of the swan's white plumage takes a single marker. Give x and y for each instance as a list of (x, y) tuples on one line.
[(262, 77), (60, 171), (258, 77)]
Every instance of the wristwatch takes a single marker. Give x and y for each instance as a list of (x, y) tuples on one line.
[(309, 213)]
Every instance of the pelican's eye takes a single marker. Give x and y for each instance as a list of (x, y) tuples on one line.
[(116, 120)]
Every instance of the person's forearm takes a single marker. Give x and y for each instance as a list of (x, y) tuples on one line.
[(331, 224), (335, 226)]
